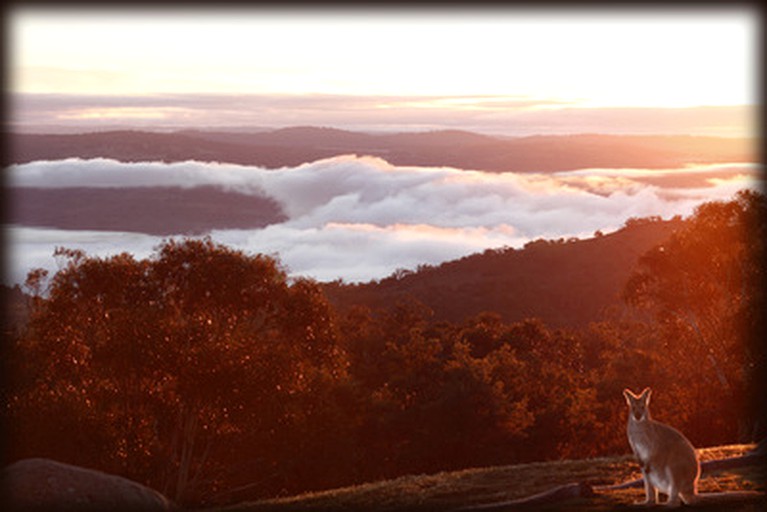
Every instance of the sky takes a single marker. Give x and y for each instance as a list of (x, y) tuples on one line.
[(513, 70)]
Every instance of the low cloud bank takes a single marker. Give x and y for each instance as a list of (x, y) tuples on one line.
[(360, 218)]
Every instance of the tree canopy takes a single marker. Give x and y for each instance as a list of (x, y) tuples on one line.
[(158, 369)]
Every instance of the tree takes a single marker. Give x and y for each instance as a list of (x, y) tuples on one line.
[(705, 288), (184, 371), (427, 400)]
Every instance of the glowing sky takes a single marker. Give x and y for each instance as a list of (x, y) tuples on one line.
[(496, 70), (454, 60)]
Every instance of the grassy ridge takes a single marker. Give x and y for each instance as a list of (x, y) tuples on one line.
[(454, 490)]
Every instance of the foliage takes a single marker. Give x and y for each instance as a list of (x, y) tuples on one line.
[(161, 369), (704, 286), (208, 374)]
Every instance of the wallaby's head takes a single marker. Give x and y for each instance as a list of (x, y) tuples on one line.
[(639, 406)]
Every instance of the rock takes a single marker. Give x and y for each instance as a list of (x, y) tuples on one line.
[(43, 484)]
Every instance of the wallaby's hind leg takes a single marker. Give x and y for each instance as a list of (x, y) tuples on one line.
[(688, 493), (673, 489), (651, 493), (688, 497), (673, 497)]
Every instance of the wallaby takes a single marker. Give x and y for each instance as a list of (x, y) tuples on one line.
[(668, 460)]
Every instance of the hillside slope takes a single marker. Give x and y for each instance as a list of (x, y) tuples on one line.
[(563, 283), (453, 491)]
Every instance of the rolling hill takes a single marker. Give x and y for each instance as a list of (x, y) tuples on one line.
[(151, 210), (563, 283), (454, 148)]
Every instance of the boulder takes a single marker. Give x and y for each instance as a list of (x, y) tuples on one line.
[(44, 484)]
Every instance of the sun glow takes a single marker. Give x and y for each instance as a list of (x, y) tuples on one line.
[(119, 113), (483, 59)]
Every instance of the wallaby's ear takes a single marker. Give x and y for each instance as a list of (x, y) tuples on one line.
[(646, 395), (628, 395)]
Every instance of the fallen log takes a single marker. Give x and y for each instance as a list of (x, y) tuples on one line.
[(741, 461), (749, 459)]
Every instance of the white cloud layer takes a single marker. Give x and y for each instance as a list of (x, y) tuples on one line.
[(360, 218)]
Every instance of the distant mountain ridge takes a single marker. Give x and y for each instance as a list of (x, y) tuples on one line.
[(454, 148), (564, 283)]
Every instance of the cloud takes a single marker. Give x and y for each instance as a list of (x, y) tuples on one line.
[(28, 248), (107, 173), (29, 111), (360, 218), (361, 251), (492, 114)]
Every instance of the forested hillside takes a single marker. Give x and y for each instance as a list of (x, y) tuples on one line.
[(209, 375), (562, 282), (465, 150), (153, 210)]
